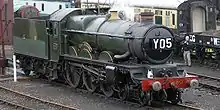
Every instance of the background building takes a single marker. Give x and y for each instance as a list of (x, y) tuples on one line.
[(162, 15), (165, 15), (45, 7)]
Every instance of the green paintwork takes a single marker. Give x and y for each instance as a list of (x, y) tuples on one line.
[(94, 24), (30, 47), (30, 29), (30, 37), (54, 40)]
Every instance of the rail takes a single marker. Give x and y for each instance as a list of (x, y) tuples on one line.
[(9, 103), (208, 81), (132, 103), (189, 107), (114, 98), (37, 99), (17, 106)]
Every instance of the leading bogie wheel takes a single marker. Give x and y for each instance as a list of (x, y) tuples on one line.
[(74, 76), (123, 92), (107, 89), (144, 97), (89, 80)]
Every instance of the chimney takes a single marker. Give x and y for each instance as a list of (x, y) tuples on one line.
[(114, 14)]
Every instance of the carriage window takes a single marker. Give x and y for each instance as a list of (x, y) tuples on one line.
[(158, 20), (42, 7), (167, 21), (137, 10), (60, 6), (173, 19), (147, 10), (167, 13), (158, 12), (67, 6)]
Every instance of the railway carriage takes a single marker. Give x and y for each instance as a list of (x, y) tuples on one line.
[(206, 46), (102, 53), (197, 19)]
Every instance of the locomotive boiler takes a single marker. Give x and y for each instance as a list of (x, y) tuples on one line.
[(101, 52), (144, 42)]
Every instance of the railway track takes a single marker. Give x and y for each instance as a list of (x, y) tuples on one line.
[(11, 78), (12, 105), (180, 107), (8, 104), (187, 107), (208, 81), (167, 105), (206, 64), (23, 101)]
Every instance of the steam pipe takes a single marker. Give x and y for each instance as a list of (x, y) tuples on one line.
[(123, 57)]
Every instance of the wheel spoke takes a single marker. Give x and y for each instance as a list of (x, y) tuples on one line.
[(73, 77), (123, 92), (88, 82), (106, 89), (143, 97)]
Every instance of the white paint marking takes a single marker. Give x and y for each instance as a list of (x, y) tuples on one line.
[(15, 71)]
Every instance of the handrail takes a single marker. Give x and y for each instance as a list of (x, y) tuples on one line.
[(104, 34)]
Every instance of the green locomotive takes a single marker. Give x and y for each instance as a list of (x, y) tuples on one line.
[(121, 57)]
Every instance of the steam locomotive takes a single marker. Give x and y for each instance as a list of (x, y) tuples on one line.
[(102, 52)]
